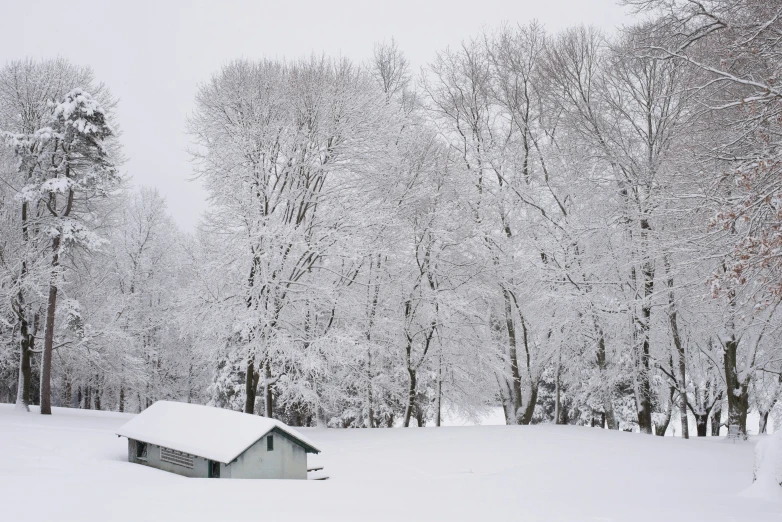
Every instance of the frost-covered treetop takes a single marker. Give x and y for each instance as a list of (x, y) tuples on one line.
[(80, 111), (77, 111)]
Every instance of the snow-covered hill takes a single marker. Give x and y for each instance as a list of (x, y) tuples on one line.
[(71, 466)]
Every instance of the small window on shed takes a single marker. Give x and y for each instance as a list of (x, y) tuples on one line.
[(141, 450), (269, 443)]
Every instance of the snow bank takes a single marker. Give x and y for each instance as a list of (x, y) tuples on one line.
[(768, 469)]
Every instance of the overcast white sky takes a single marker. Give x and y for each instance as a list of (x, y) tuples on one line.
[(153, 54)]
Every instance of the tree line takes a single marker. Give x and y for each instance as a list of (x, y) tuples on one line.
[(582, 228)]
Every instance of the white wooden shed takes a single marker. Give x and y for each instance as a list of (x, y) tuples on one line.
[(206, 442)]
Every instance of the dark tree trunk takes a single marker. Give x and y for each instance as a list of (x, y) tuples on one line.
[(250, 387), (701, 422), (419, 416), (507, 404), (121, 399), (25, 366), (48, 343), (269, 387), (677, 342), (96, 392), (529, 409), (371, 411), (410, 396), (738, 400), (716, 420), (608, 406), (250, 382), (438, 411), (23, 392), (644, 400), (68, 391), (558, 391), (565, 416), (513, 356), (762, 422), (372, 312), (370, 399), (644, 388)]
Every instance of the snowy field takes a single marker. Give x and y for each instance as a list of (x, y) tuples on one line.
[(71, 466)]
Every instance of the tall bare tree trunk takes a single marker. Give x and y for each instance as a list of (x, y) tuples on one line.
[(370, 409), (268, 386), (608, 404), (762, 422), (96, 394), (643, 385), (677, 342), (26, 344), (738, 400), (250, 387), (251, 376), (701, 421), (505, 393), (438, 411), (516, 397), (48, 343), (529, 408), (372, 312), (27, 340), (410, 396), (558, 398), (716, 420)]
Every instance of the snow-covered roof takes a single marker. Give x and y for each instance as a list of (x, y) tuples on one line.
[(211, 433)]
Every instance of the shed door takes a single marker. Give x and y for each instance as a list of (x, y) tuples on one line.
[(214, 469)]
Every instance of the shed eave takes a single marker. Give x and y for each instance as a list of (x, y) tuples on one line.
[(170, 446), (295, 440)]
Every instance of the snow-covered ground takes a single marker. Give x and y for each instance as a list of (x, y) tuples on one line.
[(71, 466)]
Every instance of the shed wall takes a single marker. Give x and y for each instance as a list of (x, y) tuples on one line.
[(200, 464), (287, 461)]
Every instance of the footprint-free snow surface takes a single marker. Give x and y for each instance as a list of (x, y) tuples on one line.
[(71, 466)]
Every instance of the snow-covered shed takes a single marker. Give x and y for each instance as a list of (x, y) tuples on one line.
[(206, 442)]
